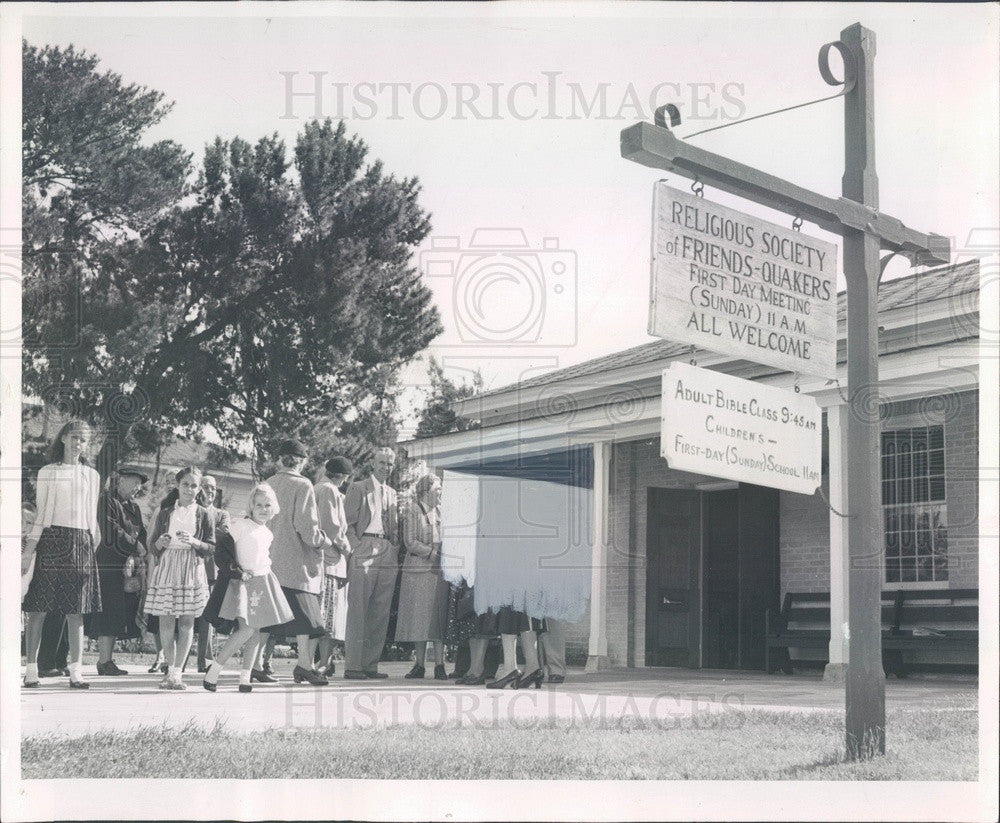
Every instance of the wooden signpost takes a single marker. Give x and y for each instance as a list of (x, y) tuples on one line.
[(865, 232)]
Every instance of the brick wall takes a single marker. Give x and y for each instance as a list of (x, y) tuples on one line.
[(804, 542)]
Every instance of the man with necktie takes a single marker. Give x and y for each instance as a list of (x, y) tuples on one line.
[(372, 529)]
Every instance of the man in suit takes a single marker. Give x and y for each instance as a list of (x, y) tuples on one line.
[(372, 529)]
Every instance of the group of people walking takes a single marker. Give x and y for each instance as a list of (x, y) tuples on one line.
[(303, 562)]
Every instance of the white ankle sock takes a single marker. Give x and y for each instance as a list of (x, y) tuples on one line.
[(244, 677), (174, 672), (74, 671), (212, 675), (31, 672)]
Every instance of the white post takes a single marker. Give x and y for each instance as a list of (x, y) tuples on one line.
[(836, 421), (597, 652)]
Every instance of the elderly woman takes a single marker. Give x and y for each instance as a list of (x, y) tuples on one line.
[(423, 592), (122, 546)]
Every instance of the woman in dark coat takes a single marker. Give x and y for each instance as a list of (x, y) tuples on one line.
[(123, 544)]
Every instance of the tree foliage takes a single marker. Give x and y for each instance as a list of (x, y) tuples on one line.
[(266, 296), (437, 416)]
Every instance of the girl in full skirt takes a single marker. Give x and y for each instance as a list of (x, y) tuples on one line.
[(181, 537), (254, 598)]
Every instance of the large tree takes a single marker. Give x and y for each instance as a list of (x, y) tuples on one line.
[(437, 416), (261, 302)]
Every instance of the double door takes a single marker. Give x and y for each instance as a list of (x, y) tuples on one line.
[(711, 574)]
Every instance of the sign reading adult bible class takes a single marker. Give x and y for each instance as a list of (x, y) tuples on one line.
[(734, 284), (725, 426)]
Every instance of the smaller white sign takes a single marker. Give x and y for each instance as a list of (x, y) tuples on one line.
[(724, 426)]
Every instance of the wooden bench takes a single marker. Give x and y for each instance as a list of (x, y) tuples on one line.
[(920, 619)]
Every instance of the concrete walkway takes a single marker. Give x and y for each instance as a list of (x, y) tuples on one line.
[(660, 698)]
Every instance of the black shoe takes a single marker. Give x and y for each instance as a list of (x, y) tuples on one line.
[(534, 679), (261, 676), (376, 675), (309, 676), (266, 668), (30, 684), (51, 673), (512, 680), (355, 674), (209, 687), (556, 678), (440, 673), (330, 670), (79, 684), (246, 687), (109, 669), (416, 673)]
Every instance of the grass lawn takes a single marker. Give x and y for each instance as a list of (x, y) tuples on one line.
[(755, 745)]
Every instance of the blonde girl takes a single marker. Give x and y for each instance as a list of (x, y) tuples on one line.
[(254, 599), (62, 542), (181, 537)]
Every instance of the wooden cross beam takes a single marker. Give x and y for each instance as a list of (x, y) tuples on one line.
[(658, 148)]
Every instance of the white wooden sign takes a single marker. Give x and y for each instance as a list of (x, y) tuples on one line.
[(728, 427), (734, 284)]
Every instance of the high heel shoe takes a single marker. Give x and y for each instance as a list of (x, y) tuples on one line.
[(260, 676), (534, 679), (155, 668), (210, 687), (79, 684), (309, 676), (511, 680)]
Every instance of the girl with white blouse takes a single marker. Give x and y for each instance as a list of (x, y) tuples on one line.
[(181, 537), (62, 542), (254, 599)]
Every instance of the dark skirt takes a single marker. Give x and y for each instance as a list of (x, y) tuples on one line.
[(462, 621), (505, 621), (65, 580), (306, 616), (118, 608), (211, 613)]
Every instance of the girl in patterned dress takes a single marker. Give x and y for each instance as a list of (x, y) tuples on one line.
[(181, 537), (62, 542), (254, 598)]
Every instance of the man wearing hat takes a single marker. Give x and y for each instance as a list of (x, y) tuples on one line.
[(297, 557), (330, 503), (123, 544)]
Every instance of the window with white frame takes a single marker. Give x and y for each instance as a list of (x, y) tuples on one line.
[(914, 506)]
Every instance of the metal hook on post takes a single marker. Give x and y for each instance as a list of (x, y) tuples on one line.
[(797, 388), (797, 223), (693, 361), (698, 187)]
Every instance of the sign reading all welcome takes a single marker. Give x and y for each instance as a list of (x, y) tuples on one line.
[(734, 284), (724, 426)]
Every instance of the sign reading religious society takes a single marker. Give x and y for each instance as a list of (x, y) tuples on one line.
[(728, 427), (731, 283)]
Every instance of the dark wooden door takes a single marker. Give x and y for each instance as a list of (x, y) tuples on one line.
[(759, 569), (673, 596)]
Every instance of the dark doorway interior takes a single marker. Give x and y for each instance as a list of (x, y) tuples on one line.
[(712, 573)]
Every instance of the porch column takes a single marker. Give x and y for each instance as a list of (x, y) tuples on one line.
[(597, 652), (836, 421)]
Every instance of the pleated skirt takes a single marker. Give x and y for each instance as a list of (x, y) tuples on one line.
[(306, 615), (178, 586)]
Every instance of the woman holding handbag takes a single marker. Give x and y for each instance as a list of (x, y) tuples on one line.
[(61, 545), (123, 544)]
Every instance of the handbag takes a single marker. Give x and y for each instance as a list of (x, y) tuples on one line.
[(133, 583)]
